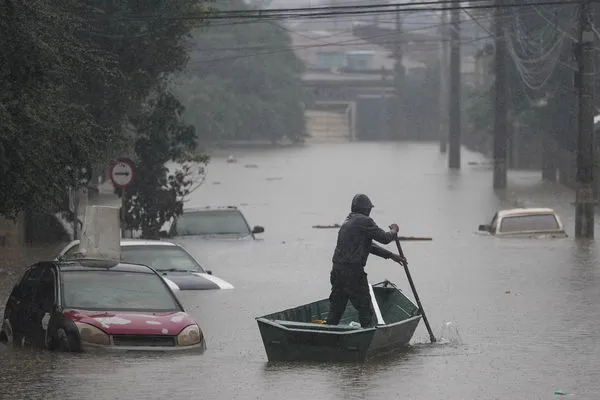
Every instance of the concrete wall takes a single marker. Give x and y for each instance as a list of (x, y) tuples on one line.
[(328, 125)]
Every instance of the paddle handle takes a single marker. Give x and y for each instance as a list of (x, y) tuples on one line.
[(414, 290)]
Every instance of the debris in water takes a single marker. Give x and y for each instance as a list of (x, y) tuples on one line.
[(507, 292), (216, 183), (486, 163), (275, 178), (561, 393), (250, 166), (326, 226), (231, 159)]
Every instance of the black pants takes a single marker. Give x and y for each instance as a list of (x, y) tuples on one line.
[(350, 284)]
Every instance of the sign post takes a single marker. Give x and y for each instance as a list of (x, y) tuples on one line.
[(121, 175)]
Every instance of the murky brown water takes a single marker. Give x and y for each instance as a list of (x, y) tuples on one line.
[(540, 337)]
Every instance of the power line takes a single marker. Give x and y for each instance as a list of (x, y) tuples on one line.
[(289, 50), (330, 11), (220, 24), (349, 42), (536, 64)]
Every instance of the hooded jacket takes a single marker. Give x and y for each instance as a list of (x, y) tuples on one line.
[(355, 242)]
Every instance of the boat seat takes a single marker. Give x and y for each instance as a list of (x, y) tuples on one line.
[(318, 327)]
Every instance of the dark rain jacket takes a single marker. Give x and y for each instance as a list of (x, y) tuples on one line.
[(355, 242)]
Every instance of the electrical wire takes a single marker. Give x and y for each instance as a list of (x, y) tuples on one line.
[(534, 61), (353, 41), (260, 54), (349, 42), (330, 11)]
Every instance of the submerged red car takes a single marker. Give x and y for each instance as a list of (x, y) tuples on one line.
[(97, 304)]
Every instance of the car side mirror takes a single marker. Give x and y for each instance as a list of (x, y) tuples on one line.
[(258, 229), (208, 271), (163, 234), (484, 228)]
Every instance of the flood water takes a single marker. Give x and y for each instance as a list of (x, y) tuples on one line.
[(527, 310)]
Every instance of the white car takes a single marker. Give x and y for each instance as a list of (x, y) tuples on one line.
[(179, 268), (525, 222)]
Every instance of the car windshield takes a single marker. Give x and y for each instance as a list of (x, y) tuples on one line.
[(116, 291), (212, 222), (161, 258), (524, 223)]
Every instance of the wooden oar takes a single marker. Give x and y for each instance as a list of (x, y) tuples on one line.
[(414, 290), (414, 238), (401, 238)]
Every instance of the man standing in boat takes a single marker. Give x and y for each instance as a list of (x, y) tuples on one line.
[(354, 244)]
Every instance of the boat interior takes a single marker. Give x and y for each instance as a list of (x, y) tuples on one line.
[(393, 306)]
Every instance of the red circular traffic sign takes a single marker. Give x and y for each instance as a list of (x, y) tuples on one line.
[(121, 173)]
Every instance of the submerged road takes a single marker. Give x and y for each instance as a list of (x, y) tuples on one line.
[(527, 311)]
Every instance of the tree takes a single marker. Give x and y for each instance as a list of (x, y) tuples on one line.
[(72, 75), (45, 136), (235, 90), (540, 70), (156, 195)]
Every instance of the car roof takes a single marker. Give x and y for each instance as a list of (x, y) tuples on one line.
[(96, 264), (209, 208), (142, 242), (525, 211)]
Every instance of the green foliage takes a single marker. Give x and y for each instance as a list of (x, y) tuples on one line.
[(44, 135), (479, 108), (72, 75), (236, 90), (558, 117), (156, 195)]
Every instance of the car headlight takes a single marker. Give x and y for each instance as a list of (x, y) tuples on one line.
[(190, 335), (91, 334)]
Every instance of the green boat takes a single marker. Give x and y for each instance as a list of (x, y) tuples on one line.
[(299, 333)]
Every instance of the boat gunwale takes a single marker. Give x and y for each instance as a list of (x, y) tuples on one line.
[(393, 324), (373, 285), (340, 332)]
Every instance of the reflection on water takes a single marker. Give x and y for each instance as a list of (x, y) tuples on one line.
[(524, 313)]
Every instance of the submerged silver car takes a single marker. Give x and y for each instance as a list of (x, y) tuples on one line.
[(179, 268), (221, 222)]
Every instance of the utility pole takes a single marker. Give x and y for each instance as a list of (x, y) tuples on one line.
[(398, 129), (549, 165), (455, 92), (500, 93), (443, 56), (585, 195)]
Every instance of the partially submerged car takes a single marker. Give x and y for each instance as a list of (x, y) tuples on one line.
[(85, 304), (171, 260), (525, 222), (222, 222)]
